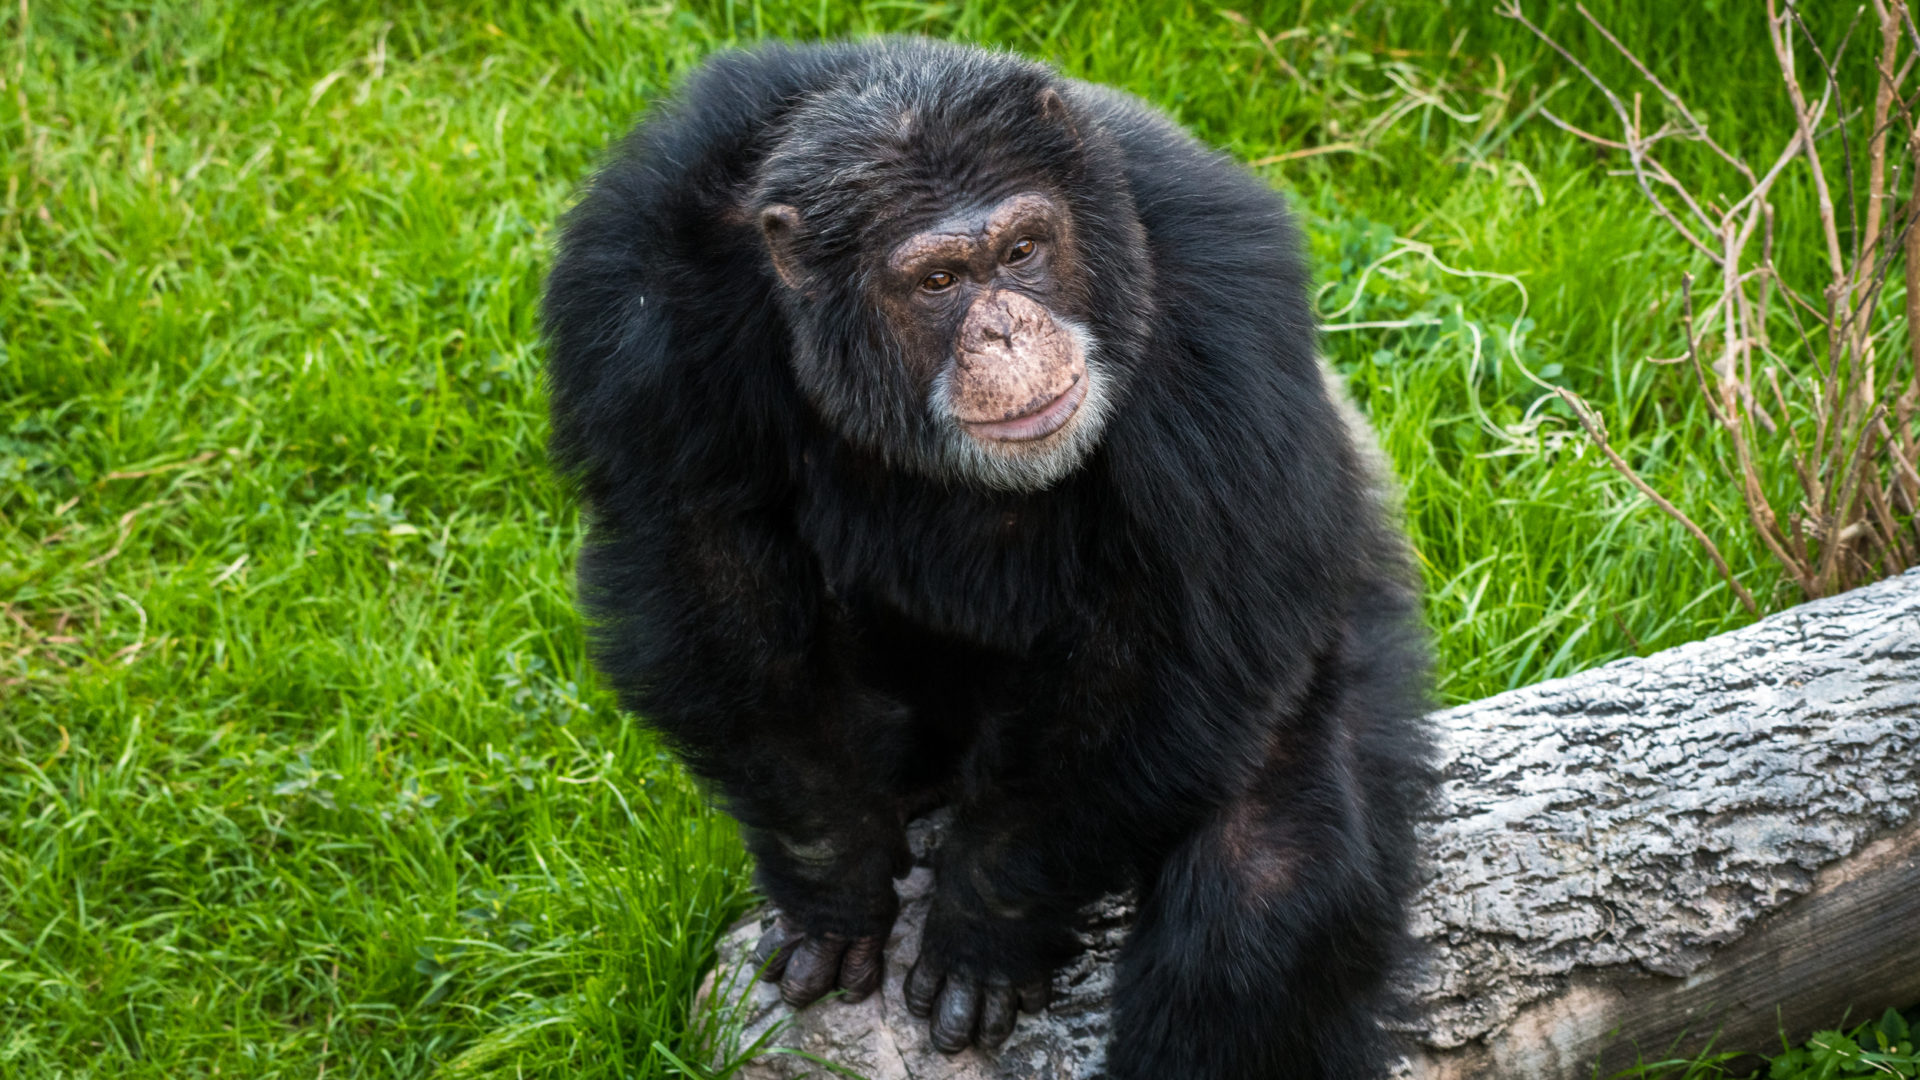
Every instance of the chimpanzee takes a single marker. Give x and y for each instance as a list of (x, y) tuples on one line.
[(951, 432)]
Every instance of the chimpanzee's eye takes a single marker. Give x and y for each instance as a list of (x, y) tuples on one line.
[(938, 281), (1021, 251)]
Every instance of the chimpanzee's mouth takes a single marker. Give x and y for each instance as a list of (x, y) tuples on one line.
[(1038, 424)]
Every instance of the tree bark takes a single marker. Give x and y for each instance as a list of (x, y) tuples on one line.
[(1719, 841)]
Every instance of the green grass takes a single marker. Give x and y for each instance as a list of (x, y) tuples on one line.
[(301, 768), (1882, 1049)]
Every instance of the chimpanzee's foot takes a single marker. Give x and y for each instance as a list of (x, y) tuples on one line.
[(808, 967)]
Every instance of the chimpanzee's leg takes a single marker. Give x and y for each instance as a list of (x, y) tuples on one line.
[(827, 843), (825, 818), (1254, 957), (716, 631), (1266, 939)]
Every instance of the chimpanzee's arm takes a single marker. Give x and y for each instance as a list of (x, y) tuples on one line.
[(715, 630)]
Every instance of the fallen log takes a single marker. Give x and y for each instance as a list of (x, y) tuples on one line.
[(1719, 842)]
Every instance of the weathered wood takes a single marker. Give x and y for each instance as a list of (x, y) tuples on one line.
[(1718, 838), (1603, 842), (1847, 945)]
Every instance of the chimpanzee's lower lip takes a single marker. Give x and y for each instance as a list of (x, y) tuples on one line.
[(1038, 424)]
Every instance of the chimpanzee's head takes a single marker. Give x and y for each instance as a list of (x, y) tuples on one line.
[(960, 263)]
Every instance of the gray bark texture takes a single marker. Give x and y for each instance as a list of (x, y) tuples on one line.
[(1720, 839)]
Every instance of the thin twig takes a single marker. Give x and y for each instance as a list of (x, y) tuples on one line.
[(1783, 52), (1700, 129), (1883, 100), (1626, 118), (1833, 79), (1638, 174), (1581, 412)]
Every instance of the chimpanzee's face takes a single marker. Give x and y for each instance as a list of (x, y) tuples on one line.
[(940, 296), (978, 306), (983, 303)]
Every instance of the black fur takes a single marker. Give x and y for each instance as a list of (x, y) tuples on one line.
[(1193, 665)]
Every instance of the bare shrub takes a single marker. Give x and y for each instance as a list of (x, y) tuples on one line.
[(1793, 369)]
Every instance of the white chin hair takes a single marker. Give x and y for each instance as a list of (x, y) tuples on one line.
[(1033, 464)]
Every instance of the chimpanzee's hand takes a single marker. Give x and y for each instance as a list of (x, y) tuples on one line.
[(971, 1000), (808, 966)]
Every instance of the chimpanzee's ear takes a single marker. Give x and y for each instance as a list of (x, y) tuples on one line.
[(780, 225), (1053, 110)]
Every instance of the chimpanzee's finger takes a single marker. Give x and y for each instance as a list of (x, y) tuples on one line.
[(998, 1005), (1035, 995), (954, 1014), (771, 952), (812, 971), (861, 967), (923, 984)]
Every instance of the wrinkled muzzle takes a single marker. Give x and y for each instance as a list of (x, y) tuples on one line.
[(1019, 374)]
